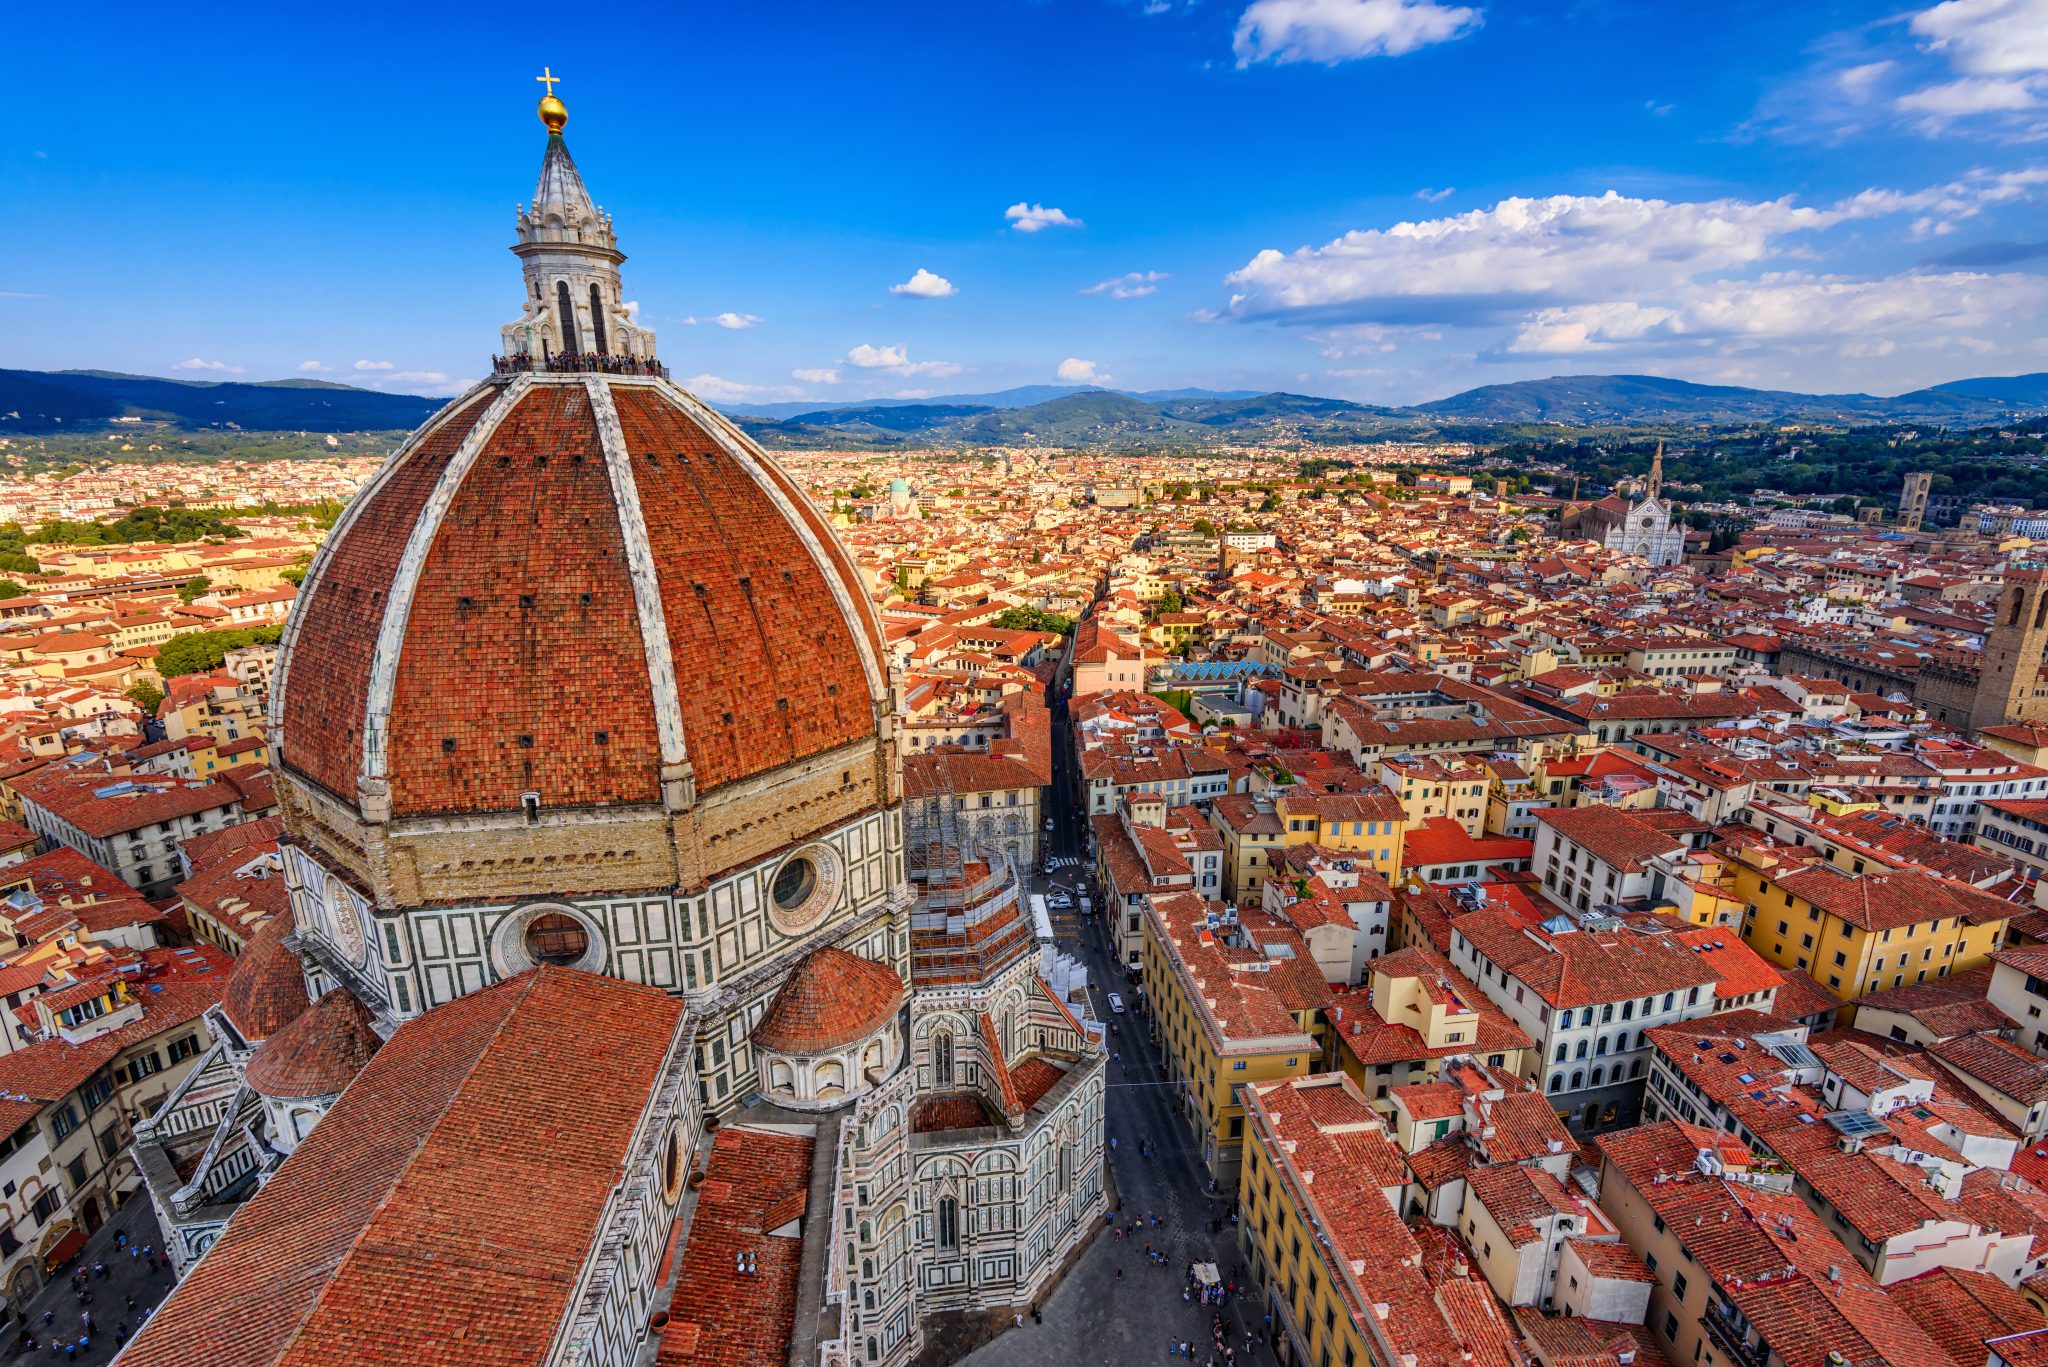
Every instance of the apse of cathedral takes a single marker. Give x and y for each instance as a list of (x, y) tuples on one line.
[(623, 1013)]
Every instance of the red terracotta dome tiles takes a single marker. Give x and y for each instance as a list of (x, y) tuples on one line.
[(522, 668), (329, 679), (767, 666)]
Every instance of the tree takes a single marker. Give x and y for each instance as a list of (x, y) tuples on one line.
[(1034, 619), (1271, 505), (1171, 601), (194, 588), (195, 652), (1204, 527), (294, 575), (10, 589), (145, 695)]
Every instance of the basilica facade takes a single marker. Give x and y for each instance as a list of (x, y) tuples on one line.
[(1646, 525), (588, 753)]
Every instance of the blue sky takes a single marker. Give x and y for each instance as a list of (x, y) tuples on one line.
[(1383, 199)]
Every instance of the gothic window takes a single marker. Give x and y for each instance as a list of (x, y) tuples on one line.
[(567, 316), (1066, 1164), (596, 321), (949, 1222), (942, 1060)]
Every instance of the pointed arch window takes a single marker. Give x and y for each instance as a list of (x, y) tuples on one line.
[(942, 1060), (597, 322), (567, 317), (949, 1222)]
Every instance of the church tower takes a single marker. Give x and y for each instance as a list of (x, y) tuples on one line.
[(2008, 681), (570, 257), (1654, 486)]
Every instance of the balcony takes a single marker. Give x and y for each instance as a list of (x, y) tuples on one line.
[(1725, 1327)]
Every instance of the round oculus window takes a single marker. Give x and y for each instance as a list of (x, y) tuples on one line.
[(795, 881), (803, 889), (556, 938)]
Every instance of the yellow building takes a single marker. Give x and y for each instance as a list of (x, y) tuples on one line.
[(1427, 788), (1251, 830), (1419, 1012), (1343, 1278), (1236, 999), (1859, 933), (1369, 824)]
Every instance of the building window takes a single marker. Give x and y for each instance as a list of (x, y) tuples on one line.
[(553, 938), (949, 1222)]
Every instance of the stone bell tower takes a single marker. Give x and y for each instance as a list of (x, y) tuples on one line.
[(571, 257), (2009, 682)]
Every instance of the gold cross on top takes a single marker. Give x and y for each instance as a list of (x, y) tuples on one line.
[(548, 78)]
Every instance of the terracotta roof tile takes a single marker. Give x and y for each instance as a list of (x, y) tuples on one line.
[(831, 999), (439, 1211)]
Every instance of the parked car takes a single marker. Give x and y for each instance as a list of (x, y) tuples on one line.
[(1116, 1003)]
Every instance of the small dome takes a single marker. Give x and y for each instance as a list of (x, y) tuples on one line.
[(831, 1000), (319, 1053), (267, 988)]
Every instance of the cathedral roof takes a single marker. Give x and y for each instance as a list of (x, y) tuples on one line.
[(831, 999), (440, 1211), (574, 585), (267, 988), (319, 1053)]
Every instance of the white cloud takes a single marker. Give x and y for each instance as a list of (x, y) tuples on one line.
[(896, 360), (1987, 37), (1700, 288), (313, 367), (1858, 81), (925, 285), (721, 390), (1030, 218), (1429, 196), (1074, 370), (1131, 285), (735, 322), (1971, 95), (913, 394), (1333, 31), (372, 365), (1998, 53), (435, 383), (21, 294), (820, 375), (1873, 316), (1521, 250), (197, 364)]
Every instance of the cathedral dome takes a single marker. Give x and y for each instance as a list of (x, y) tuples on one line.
[(318, 1054), (573, 590)]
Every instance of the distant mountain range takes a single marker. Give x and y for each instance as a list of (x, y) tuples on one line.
[(1583, 399), (90, 400), (1023, 396), (1046, 415)]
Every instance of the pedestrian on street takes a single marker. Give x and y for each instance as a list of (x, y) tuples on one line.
[(1119, 1273)]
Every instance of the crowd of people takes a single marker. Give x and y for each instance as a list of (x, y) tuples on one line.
[(61, 1342), (571, 362)]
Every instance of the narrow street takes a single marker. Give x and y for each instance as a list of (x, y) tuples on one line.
[(1094, 1316)]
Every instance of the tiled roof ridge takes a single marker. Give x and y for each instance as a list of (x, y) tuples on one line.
[(525, 984)]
